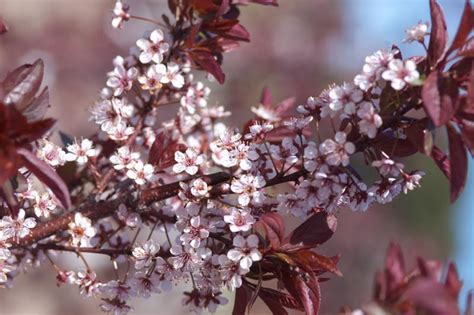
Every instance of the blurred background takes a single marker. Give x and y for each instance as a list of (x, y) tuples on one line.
[(296, 50)]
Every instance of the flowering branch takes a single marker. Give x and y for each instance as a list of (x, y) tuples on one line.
[(189, 199)]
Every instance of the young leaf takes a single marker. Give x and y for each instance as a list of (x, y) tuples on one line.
[(438, 35), (206, 61), (242, 296), (394, 266), (306, 290), (465, 27), (47, 175), (3, 27), (316, 230), (440, 98), (274, 228), (441, 160), (21, 85), (281, 298), (458, 158), (431, 297), (453, 283)]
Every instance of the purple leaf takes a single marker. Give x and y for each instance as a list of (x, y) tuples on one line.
[(438, 35), (47, 175), (432, 297), (458, 159), (3, 27), (465, 27), (21, 85), (206, 61), (274, 228), (440, 98), (316, 230)]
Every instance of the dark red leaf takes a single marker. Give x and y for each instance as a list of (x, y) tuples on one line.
[(316, 230), (47, 175), (431, 297), (314, 262), (458, 160), (3, 27), (21, 85), (206, 61), (453, 283), (281, 298), (9, 163), (467, 50), (274, 228), (440, 98), (266, 98), (441, 160), (394, 267), (306, 290), (438, 35), (37, 109), (395, 147), (465, 27), (285, 106), (238, 32), (162, 150), (242, 296), (467, 132)]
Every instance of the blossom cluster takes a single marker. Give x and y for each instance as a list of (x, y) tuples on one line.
[(189, 196)]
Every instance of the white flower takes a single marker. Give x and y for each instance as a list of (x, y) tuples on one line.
[(145, 284), (298, 124), (121, 79), (120, 14), (199, 188), (258, 130), (346, 95), (188, 161), (120, 131), (5, 268), (337, 152), (131, 219), (310, 156), (80, 152), (245, 251), (108, 112), (4, 251), (373, 68), (173, 76), (51, 153), (411, 181), (44, 205), (417, 32), (154, 76), (81, 230), (247, 186), (194, 232), (239, 221), (400, 73), (145, 254), (124, 158), (388, 167), (196, 96), (153, 49), (140, 172), (370, 120), (17, 228), (231, 272)]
